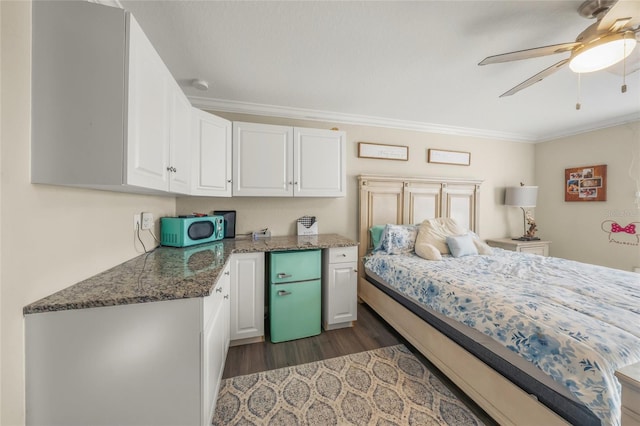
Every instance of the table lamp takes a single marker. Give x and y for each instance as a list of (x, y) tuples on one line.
[(523, 196)]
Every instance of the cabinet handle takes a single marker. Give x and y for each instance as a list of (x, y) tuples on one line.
[(283, 275), (175, 170), (226, 272), (295, 183), (343, 255), (169, 169), (226, 296), (229, 181), (283, 293), (219, 290), (290, 183), (355, 270)]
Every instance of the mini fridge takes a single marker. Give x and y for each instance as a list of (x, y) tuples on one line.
[(294, 294)]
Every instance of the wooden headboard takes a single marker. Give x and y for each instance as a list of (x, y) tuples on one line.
[(406, 200)]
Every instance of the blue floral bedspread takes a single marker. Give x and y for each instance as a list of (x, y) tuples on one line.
[(576, 322)]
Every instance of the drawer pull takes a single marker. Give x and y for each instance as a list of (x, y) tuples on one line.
[(343, 255), (283, 293), (226, 296), (226, 272), (283, 275), (219, 290)]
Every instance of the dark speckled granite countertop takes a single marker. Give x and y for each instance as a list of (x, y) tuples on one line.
[(167, 273)]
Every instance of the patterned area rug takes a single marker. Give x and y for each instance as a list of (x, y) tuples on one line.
[(387, 386)]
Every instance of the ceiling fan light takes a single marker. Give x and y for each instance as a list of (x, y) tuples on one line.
[(603, 54)]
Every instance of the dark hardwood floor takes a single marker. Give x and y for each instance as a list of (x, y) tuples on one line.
[(369, 332)]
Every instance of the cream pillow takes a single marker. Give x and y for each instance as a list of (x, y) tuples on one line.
[(427, 251), (436, 231), (483, 248)]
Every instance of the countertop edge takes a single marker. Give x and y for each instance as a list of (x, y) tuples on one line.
[(253, 246)]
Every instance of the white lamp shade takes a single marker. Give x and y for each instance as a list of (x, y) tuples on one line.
[(521, 196)]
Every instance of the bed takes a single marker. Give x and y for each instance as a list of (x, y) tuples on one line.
[(541, 385)]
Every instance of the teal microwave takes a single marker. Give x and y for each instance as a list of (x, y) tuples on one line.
[(189, 231)]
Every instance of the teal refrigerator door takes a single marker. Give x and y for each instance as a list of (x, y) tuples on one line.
[(289, 266), (294, 310)]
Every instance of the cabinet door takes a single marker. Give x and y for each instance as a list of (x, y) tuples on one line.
[(211, 167), (180, 146), (421, 201), (342, 293), (262, 160), (319, 165), (148, 125), (247, 295), (215, 343)]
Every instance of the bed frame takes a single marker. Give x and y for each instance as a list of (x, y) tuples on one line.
[(405, 200)]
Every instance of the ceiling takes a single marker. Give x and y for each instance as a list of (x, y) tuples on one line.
[(389, 63)]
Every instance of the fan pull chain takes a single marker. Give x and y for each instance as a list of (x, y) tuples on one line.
[(578, 100), (623, 89)]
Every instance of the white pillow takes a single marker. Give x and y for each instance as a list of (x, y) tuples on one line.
[(483, 248), (461, 245), (427, 251), (436, 231)]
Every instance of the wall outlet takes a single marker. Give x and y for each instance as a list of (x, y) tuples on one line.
[(147, 220), (136, 221)]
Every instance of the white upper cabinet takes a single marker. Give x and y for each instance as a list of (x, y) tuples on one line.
[(211, 155), (319, 166), (262, 163), (282, 161), (107, 113)]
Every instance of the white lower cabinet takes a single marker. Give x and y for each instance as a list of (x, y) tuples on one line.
[(154, 363), (339, 287), (247, 297), (215, 342)]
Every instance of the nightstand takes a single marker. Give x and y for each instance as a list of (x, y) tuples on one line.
[(540, 247), (629, 378)]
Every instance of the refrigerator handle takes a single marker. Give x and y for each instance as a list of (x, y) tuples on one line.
[(283, 293), (283, 275)]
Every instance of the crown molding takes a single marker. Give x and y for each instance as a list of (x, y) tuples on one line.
[(362, 120), (617, 121), (224, 105), (112, 3)]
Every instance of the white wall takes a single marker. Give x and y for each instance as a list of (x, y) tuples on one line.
[(498, 163), (52, 237), (575, 227)]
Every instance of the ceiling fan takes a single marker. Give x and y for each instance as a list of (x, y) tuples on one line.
[(606, 42)]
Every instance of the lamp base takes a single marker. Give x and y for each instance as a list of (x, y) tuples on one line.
[(524, 238)]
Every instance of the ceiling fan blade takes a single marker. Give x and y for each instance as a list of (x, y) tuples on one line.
[(536, 78), (625, 14), (530, 53)]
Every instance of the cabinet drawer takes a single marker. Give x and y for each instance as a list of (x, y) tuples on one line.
[(342, 254), (540, 250)]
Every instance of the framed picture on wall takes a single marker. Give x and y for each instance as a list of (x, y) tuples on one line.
[(586, 183)]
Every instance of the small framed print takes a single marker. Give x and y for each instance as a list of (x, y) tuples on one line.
[(587, 183), (383, 151), (459, 158)]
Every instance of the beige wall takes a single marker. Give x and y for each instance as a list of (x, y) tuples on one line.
[(52, 237), (73, 234), (498, 163), (575, 227)]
